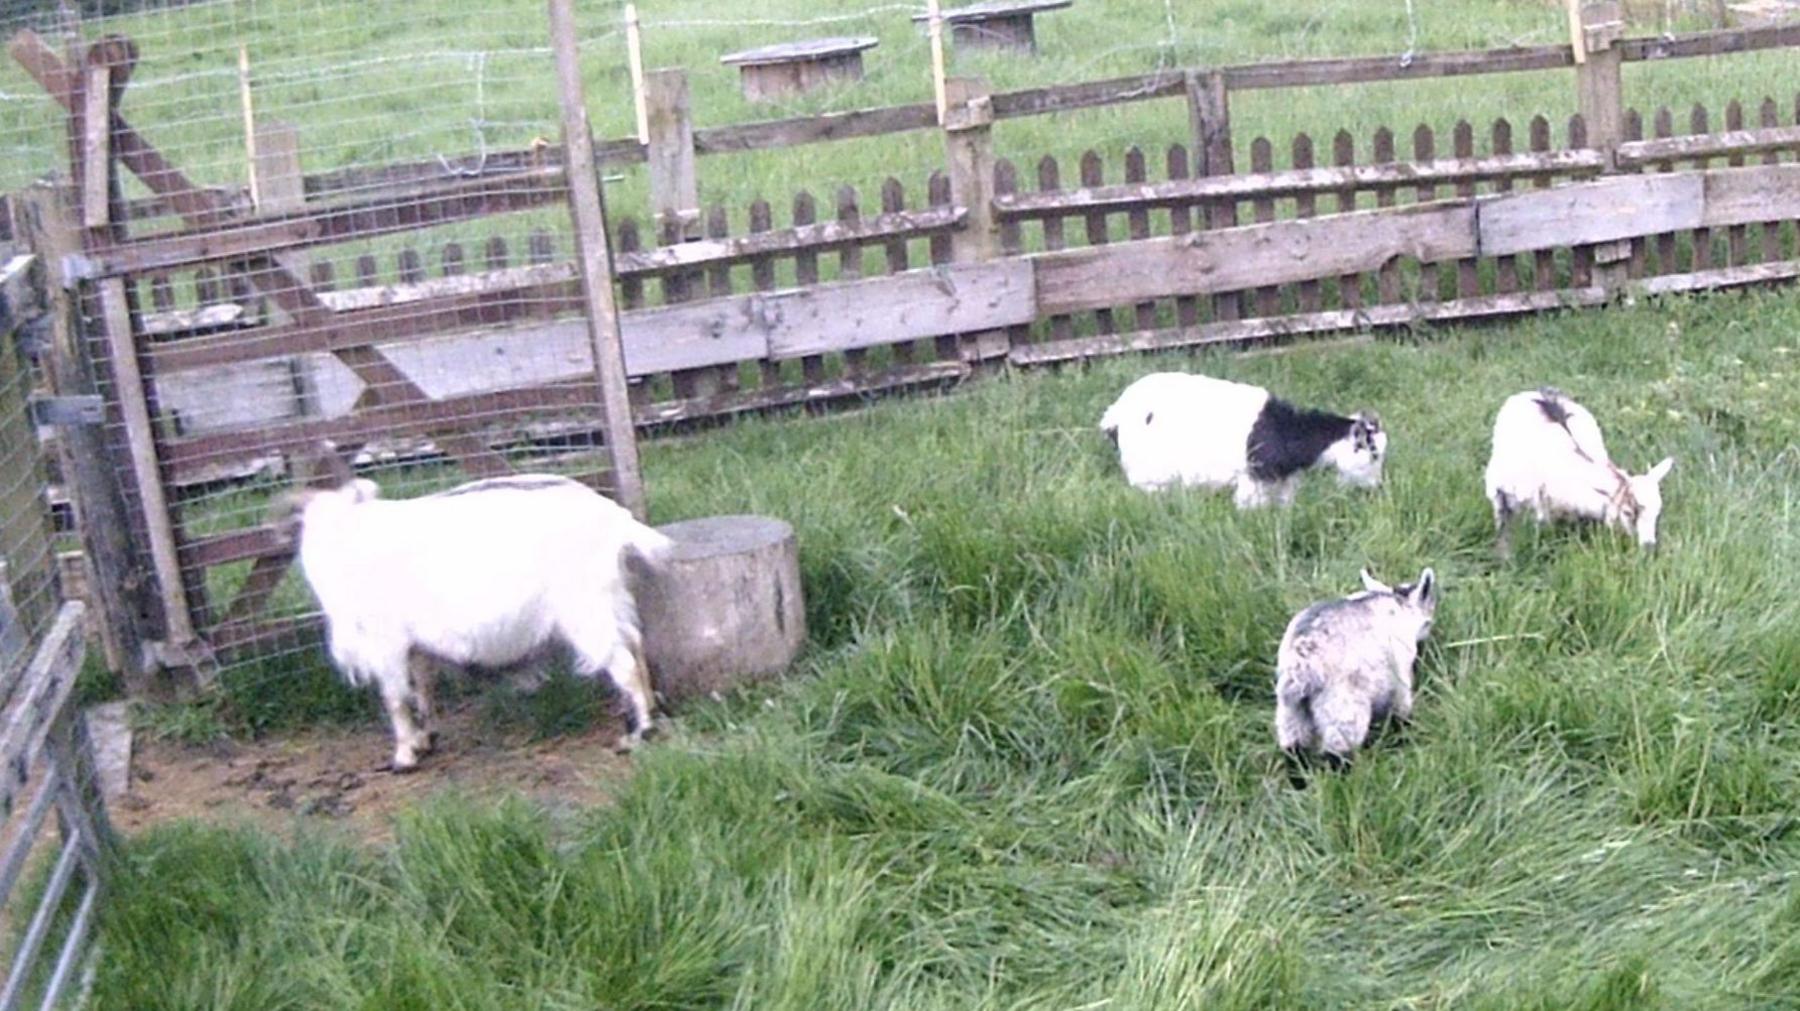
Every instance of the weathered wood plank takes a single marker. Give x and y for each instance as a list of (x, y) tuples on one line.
[(458, 200), (1599, 211), (1236, 258), (833, 317), (1639, 153), (825, 235), (1718, 43), (815, 129), (1297, 182), (1742, 196)]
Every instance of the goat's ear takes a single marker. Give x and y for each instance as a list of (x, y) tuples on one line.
[(1374, 585), (1370, 421), (1425, 591), (284, 513), (326, 468), (1661, 470)]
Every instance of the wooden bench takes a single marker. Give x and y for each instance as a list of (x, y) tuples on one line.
[(997, 24), (790, 68)]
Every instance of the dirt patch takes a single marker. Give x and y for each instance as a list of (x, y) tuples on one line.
[(340, 776)]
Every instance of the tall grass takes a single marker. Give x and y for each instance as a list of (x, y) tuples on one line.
[(1027, 761)]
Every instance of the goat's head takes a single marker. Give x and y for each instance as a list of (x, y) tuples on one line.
[(1639, 505), (1359, 456), (329, 477), (1417, 600)]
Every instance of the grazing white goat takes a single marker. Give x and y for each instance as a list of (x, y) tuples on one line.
[(1177, 428), (487, 574), (1345, 664), (1548, 457)]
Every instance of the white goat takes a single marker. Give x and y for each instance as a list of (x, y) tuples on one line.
[(1177, 428), (486, 574), (1345, 664), (1548, 457)]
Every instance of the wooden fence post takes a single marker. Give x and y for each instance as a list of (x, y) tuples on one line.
[(1598, 90), (1600, 99), (1209, 122), (90, 479), (281, 187), (674, 183), (969, 155), (588, 209), (969, 152), (103, 76)]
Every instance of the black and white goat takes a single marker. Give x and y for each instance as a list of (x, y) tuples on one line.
[(487, 574), (1549, 458), (1346, 664), (1177, 428)]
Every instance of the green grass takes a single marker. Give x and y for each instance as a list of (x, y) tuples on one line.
[(1027, 762)]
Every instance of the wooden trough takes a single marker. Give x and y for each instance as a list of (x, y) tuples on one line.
[(790, 68), (725, 609)]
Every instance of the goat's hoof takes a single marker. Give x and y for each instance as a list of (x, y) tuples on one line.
[(1293, 764), (628, 743)]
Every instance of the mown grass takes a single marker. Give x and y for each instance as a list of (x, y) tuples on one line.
[(1027, 763)]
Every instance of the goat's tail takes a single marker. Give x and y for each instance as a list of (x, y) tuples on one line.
[(648, 543)]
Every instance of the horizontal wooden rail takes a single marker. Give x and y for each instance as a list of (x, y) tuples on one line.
[(1295, 182), (788, 323), (1638, 153), (1388, 316), (797, 130), (491, 408), (822, 237), (388, 323), (1236, 259), (456, 200)]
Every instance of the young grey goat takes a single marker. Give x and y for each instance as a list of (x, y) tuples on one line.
[(1345, 664)]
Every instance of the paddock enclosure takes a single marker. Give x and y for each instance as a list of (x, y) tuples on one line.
[(225, 289)]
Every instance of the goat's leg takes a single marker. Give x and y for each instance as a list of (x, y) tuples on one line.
[(603, 649), (423, 672), (1293, 727), (1503, 515), (629, 675), (408, 741), (1343, 725), (1249, 493)]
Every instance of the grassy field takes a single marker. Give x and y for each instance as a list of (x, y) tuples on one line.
[(1028, 763)]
